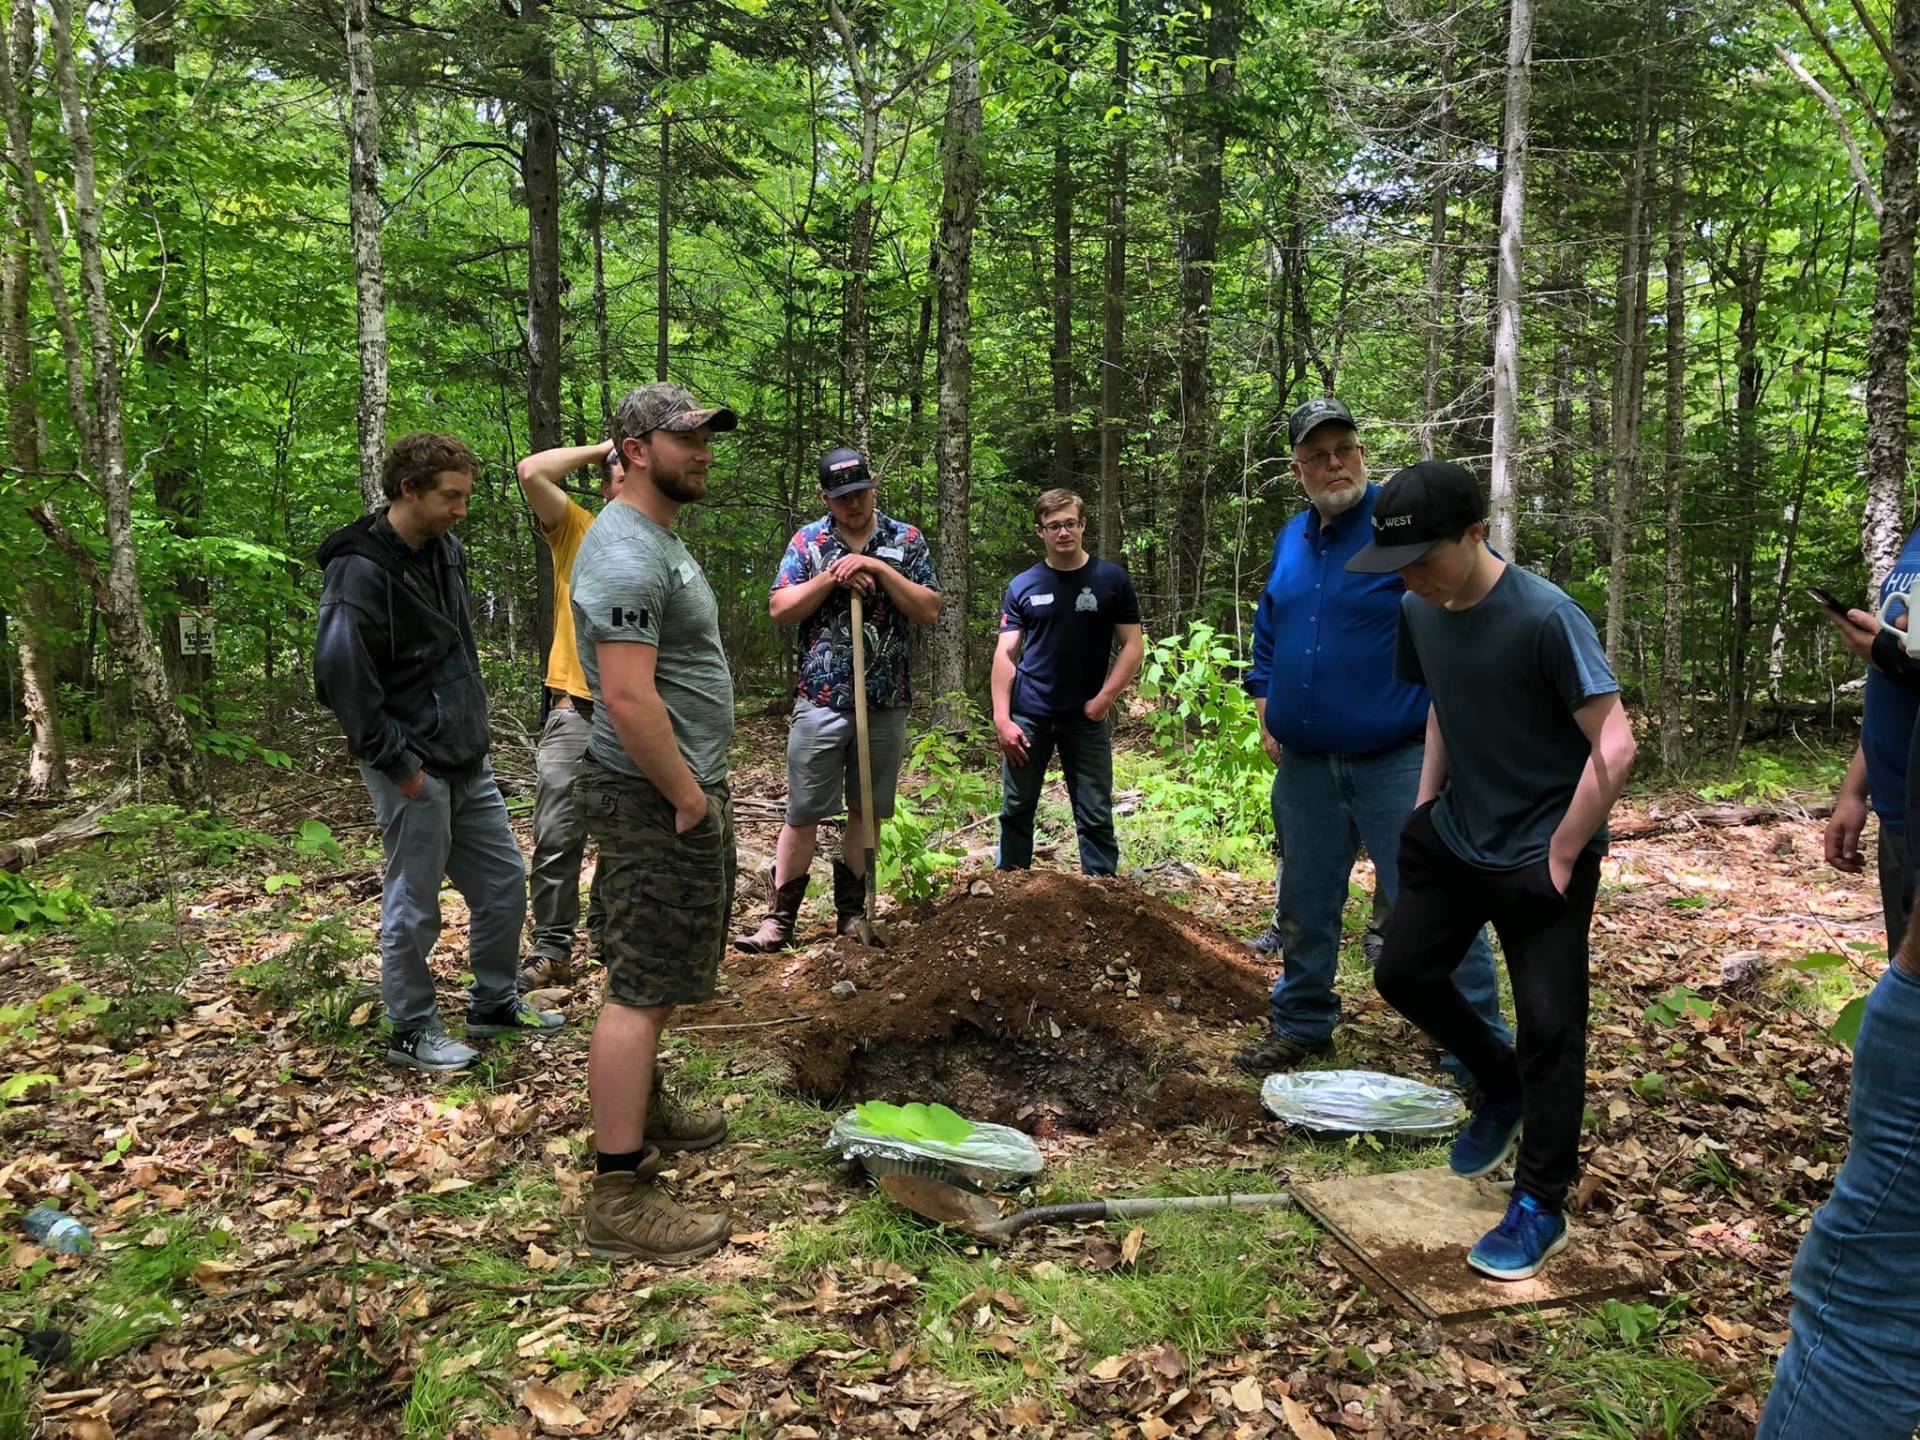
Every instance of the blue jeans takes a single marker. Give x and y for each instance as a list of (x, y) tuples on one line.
[(1852, 1366), (1086, 759), (455, 830), (1328, 806)]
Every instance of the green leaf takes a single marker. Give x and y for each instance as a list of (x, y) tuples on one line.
[(1820, 960), (1846, 1028), (915, 1121)]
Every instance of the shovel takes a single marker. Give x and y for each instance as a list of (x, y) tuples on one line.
[(981, 1218), (865, 932)]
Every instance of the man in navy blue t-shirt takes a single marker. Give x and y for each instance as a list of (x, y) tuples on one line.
[(1053, 683)]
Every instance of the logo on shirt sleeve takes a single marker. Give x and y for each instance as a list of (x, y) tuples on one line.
[(625, 619)]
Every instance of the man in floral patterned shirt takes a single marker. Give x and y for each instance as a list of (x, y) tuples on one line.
[(853, 547)]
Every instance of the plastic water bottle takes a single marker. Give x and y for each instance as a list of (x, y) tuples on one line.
[(47, 1225)]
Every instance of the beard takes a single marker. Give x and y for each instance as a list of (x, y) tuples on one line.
[(682, 488), (1338, 499)]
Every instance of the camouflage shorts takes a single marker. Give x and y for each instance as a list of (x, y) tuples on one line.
[(667, 896)]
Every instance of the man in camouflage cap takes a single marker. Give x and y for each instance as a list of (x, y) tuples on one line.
[(653, 789)]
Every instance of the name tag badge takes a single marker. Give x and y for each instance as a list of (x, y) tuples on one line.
[(891, 552), (685, 571), (1040, 599)]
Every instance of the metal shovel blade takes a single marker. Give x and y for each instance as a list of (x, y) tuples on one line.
[(945, 1203)]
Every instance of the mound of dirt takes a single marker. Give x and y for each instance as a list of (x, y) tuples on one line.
[(1036, 1000)]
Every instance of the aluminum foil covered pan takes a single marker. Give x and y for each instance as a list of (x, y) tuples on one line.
[(992, 1156), (1350, 1101)]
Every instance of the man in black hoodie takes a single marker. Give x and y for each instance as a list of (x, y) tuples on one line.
[(395, 660)]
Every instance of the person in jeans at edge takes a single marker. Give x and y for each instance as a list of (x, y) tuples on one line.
[(1850, 1365), (853, 547), (1528, 747), (1345, 736), (653, 788), (1062, 617), (559, 830), (394, 659)]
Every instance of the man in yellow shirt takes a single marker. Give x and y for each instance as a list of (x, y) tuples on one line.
[(559, 830)]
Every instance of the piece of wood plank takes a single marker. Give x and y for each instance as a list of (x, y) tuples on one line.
[(1411, 1230)]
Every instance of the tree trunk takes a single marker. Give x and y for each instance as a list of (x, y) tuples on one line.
[(1114, 320), (118, 590), (1062, 471), (1673, 715), (1203, 141), (39, 691), (602, 345), (953, 448), (1437, 268), (662, 232), (1636, 249), (1506, 344), (370, 288), (1883, 522), (1746, 480), (540, 178)]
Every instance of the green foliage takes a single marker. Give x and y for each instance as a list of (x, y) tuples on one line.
[(1612, 1368), (29, 907), (1760, 777), (919, 849), (1680, 1001), (194, 838), (315, 838), (139, 967), (311, 972), (915, 1121), (61, 1007), (1845, 1029), (16, 1391), (1211, 798)]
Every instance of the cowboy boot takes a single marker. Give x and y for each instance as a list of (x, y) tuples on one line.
[(776, 926), (849, 899)]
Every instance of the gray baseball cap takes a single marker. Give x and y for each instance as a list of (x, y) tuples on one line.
[(661, 406), (1315, 413)]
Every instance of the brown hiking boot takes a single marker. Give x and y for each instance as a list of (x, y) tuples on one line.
[(631, 1215), (543, 972), (849, 899), (672, 1129), (776, 926)]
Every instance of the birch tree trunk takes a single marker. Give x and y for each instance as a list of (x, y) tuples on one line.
[(1437, 268), (39, 691), (1506, 342), (540, 179), (953, 445), (369, 279), (1883, 522), (1113, 341), (1673, 714), (117, 591), (1061, 472), (1636, 250)]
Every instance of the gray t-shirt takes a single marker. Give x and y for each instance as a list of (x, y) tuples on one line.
[(1506, 676), (635, 583)]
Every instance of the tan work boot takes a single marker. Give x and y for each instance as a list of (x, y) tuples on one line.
[(631, 1215), (849, 899), (541, 972), (776, 926), (672, 1129)]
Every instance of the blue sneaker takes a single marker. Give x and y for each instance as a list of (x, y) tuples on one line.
[(1488, 1138), (1521, 1243)]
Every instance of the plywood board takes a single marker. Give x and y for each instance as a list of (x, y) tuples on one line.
[(1410, 1232)]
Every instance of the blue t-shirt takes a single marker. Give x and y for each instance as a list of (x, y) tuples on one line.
[(1323, 640), (1065, 619), (1506, 676), (1892, 710)]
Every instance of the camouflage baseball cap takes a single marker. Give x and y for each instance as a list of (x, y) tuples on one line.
[(1315, 413), (661, 406)]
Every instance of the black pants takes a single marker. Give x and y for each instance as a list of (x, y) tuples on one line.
[(1442, 902)]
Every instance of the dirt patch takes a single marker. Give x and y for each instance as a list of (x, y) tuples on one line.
[(1036, 1000)]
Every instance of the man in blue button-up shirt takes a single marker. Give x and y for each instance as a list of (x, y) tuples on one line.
[(1346, 737)]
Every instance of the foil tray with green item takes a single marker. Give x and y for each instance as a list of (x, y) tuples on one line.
[(935, 1142)]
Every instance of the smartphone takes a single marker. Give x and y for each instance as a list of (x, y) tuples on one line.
[(1827, 599)]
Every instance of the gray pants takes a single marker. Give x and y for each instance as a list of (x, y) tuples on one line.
[(455, 829), (560, 839)]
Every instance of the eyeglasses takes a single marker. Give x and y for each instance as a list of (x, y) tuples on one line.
[(1317, 459), (1059, 527)]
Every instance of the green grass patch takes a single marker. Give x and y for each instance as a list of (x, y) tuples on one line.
[(1613, 1371), (130, 1300), (441, 1394)]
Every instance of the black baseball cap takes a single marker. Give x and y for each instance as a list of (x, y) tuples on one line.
[(1421, 506), (1315, 413), (843, 472)]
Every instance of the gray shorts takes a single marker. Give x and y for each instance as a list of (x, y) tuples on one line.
[(823, 760)]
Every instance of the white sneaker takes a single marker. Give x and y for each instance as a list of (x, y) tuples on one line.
[(430, 1048)]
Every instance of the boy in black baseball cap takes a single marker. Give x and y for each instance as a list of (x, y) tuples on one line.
[(1527, 750)]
